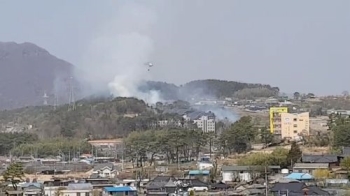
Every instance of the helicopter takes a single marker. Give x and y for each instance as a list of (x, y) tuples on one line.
[(149, 64)]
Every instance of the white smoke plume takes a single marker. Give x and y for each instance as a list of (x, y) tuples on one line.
[(117, 57)]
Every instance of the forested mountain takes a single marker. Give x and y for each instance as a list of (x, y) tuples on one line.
[(209, 88), (101, 118), (27, 72)]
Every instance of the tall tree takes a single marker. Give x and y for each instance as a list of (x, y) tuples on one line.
[(266, 136), (14, 174), (345, 164), (296, 95), (294, 153), (345, 93), (238, 137), (310, 95)]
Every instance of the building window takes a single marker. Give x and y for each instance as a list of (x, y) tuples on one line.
[(295, 125), (295, 119), (295, 131), (87, 194), (78, 194)]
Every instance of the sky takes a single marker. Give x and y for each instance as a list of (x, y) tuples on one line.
[(296, 45)]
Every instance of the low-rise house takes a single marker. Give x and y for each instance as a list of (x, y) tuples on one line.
[(244, 173), (100, 182), (309, 167), (220, 186), (14, 193), (296, 189), (31, 189), (57, 182), (332, 160), (106, 170), (161, 184), (77, 189), (195, 174), (120, 191), (193, 184), (202, 165), (305, 177)]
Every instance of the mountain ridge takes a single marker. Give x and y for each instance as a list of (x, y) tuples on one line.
[(27, 73)]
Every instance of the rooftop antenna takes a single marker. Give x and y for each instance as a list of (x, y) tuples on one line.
[(45, 98), (71, 95)]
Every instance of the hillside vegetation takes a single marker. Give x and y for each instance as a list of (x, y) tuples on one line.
[(210, 89), (102, 118)]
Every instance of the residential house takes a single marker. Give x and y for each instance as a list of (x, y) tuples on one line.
[(106, 170), (332, 160), (304, 177), (32, 189), (57, 182), (100, 183), (199, 174), (220, 186), (309, 167), (14, 193), (193, 184), (120, 191), (296, 189), (202, 165), (77, 189), (254, 189), (161, 185), (244, 173)]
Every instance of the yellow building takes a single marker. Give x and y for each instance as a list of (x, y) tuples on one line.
[(275, 118), (294, 125)]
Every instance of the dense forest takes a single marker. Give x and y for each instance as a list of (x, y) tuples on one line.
[(106, 118), (210, 89)]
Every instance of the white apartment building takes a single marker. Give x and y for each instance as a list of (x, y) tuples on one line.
[(206, 123)]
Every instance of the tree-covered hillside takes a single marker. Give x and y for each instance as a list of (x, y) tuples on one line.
[(209, 89), (101, 118)]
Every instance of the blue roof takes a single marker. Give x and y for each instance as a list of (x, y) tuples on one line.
[(119, 189), (199, 172), (300, 176)]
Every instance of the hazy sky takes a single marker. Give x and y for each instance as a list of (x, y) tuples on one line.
[(297, 45)]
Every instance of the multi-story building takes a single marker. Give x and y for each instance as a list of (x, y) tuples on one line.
[(206, 122), (289, 126), (295, 125), (275, 119)]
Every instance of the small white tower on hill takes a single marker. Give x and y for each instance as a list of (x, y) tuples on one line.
[(45, 97)]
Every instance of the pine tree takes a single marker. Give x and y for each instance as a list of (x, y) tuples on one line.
[(14, 174), (294, 153)]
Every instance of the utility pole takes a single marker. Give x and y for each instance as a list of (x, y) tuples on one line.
[(123, 155), (266, 182), (210, 147)]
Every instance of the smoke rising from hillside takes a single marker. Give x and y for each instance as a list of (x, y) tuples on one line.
[(115, 62)]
